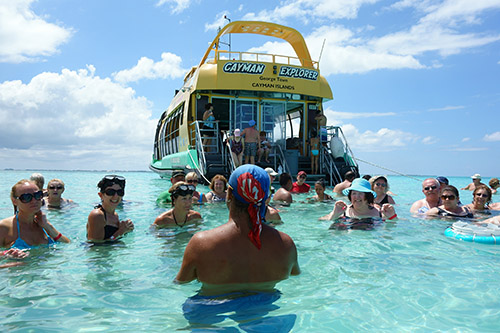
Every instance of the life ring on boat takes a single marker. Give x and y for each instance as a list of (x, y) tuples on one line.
[(485, 234), (336, 147)]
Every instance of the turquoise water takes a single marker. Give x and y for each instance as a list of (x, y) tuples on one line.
[(401, 276)]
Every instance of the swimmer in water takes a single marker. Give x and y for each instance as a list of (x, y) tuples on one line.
[(244, 253), (450, 206), (181, 214)]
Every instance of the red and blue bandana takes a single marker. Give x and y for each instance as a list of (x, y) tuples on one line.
[(250, 185)]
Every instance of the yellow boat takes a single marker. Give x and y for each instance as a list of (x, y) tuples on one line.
[(282, 94)]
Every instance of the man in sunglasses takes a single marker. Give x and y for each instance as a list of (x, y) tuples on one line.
[(164, 197), (430, 188)]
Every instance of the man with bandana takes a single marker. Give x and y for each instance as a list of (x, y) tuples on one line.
[(243, 254)]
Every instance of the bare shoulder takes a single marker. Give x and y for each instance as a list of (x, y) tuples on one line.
[(194, 215), (164, 218)]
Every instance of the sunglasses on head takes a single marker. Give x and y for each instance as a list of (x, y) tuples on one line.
[(428, 188), (111, 192), (27, 197), (184, 190), (53, 187), (448, 197)]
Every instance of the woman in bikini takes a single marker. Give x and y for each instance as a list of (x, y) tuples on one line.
[(481, 199), (237, 144), (314, 143), (103, 223), (320, 188), (181, 213), (29, 226), (218, 187), (450, 206), (381, 186)]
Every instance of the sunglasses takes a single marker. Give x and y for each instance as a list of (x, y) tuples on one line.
[(381, 184), (59, 187), (27, 197), (113, 177), (428, 188), (484, 195), (184, 190), (302, 177), (448, 197), (194, 181), (111, 192)]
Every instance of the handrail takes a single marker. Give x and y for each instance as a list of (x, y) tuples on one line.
[(283, 159), (231, 165), (239, 55), (199, 148)]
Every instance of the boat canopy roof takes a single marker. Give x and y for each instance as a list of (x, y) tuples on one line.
[(292, 36)]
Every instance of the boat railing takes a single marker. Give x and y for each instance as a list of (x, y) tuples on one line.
[(327, 162), (282, 160), (199, 147), (230, 165), (259, 57), (338, 149)]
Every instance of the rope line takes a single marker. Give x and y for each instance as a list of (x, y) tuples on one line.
[(381, 167)]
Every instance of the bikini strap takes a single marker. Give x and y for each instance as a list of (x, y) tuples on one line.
[(99, 206), (17, 221)]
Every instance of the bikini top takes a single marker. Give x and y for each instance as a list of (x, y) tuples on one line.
[(216, 198), (109, 230), (20, 244)]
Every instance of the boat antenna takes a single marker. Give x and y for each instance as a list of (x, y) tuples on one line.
[(321, 53), (229, 37)]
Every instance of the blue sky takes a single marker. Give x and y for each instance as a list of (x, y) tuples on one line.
[(416, 84)]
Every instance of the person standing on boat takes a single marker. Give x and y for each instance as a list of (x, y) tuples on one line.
[(244, 254), (181, 213), (430, 188), (252, 143), (237, 145), (320, 125), (314, 145), (208, 126), (264, 147)]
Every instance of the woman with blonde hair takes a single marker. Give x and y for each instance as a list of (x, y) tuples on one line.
[(55, 189), (380, 185), (29, 226)]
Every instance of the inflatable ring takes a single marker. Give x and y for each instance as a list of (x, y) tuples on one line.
[(485, 234)]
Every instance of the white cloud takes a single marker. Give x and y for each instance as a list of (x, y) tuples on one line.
[(168, 67), (352, 115), (383, 140), (24, 36), (468, 149), (439, 29), (429, 140), (448, 108), (465, 139), (177, 6), (220, 21), (78, 117), (492, 137)]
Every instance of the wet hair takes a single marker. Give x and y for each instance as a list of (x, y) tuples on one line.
[(110, 180), (349, 175), (175, 192), (215, 178), (482, 187), (38, 179), (494, 182), (321, 182), (368, 196), (55, 180), (284, 179), (13, 192), (450, 188)]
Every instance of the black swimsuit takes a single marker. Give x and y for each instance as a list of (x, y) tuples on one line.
[(109, 230), (442, 212)]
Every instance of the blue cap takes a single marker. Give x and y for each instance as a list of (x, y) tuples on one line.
[(360, 185), (251, 123), (442, 179)]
